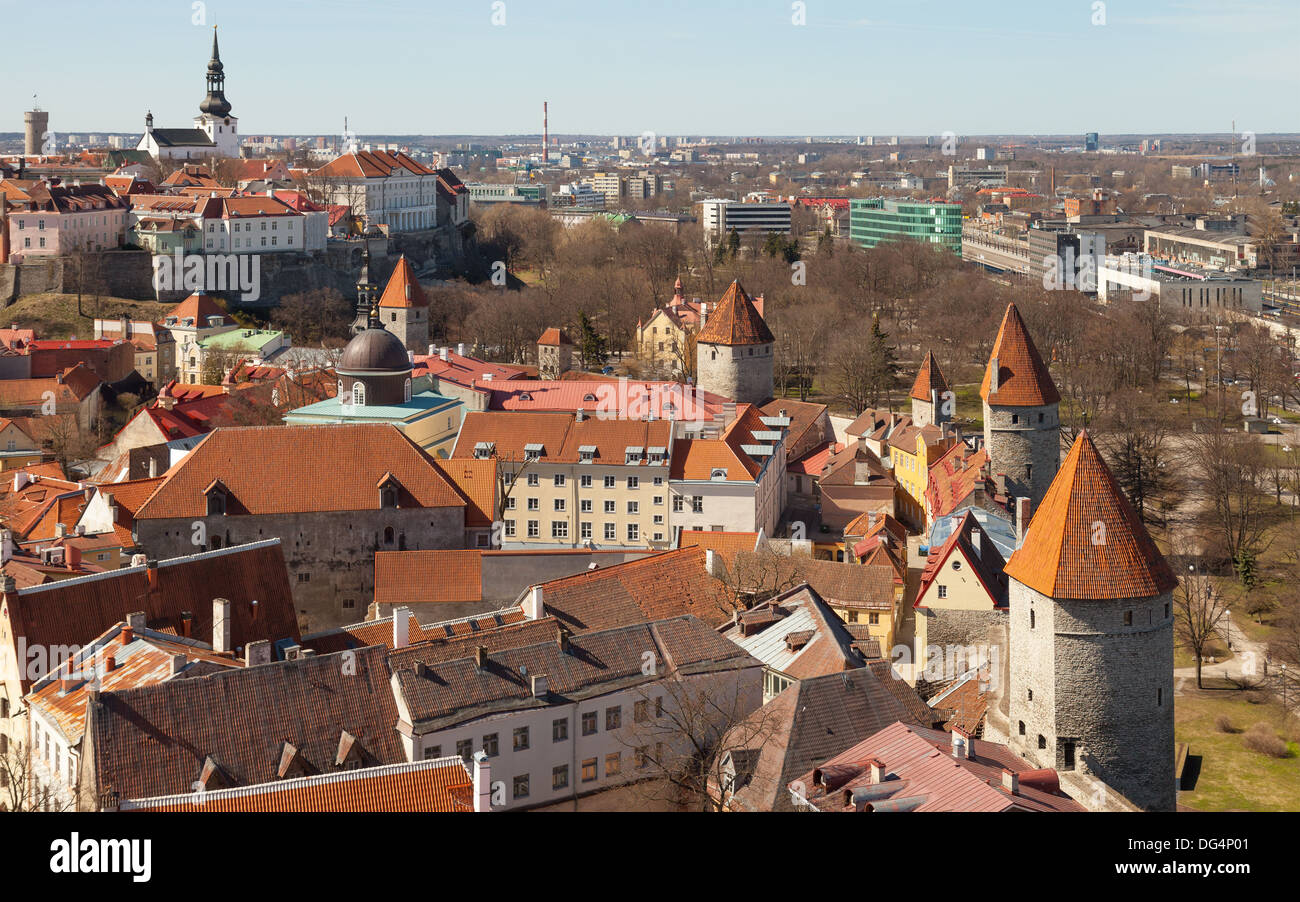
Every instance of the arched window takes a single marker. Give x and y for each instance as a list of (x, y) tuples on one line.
[(388, 535), (406, 391), (359, 394)]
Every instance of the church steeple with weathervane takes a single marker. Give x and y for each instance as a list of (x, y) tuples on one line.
[(214, 112)]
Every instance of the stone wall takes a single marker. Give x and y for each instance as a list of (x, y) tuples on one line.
[(1018, 438), (1102, 685), (123, 274), (335, 550)]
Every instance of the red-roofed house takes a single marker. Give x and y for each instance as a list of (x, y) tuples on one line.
[(384, 189)]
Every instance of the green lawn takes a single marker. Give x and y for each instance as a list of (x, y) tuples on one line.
[(55, 315), (1232, 776), (970, 407)]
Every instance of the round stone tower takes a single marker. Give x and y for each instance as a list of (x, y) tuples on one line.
[(404, 308), (1092, 636), (1022, 423), (733, 350)]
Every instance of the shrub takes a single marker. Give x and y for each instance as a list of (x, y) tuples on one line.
[(1224, 725), (1263, 738), (1256, 697)]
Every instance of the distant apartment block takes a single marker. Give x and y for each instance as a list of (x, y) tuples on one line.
[(527, 195), (874, 220), (994, 176)]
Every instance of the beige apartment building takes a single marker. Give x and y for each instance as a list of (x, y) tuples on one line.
[(574, 480)]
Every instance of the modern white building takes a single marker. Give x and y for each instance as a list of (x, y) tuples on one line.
[(720, 216)]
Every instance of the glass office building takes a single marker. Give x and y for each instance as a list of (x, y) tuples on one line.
[(873, 220)]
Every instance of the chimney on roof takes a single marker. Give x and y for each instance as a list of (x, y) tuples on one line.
[(178, 663), (1010, 781), (480, 656), (135, 621), (81, 528), (221, 626), (401, 627), (21, 479), (877, 770), (60, 530), (139, 560), (541, 686), (151, 573), (534, 607), (993, 375), (975, 541), (109, 660), (257, 652), (1024, 512), (962, 745), (187, 623), (67, 683), (580, 416), (7, 584), (88, 492), (562, 639), (482, 782), (460, 349), (6, 545)]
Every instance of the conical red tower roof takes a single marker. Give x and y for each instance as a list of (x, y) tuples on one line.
[(928, 379), (1086, 541), (735, 321), (1023, 379), (403, 289)]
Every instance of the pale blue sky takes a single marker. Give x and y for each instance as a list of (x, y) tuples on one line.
[(711, 67)]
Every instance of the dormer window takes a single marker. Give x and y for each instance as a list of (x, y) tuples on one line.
[(634, 454), (533, 451), (216, 498), (718, 473), (483, 450), (589, 398), (587, 454)]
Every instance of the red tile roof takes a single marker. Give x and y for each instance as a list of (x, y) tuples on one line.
[(407, 577), (198, 306), (403, 289), (554, 337), (442, 785), (264, 472), (1086, 541), (929, 379), (953, 478), (74, 611), (1023, 379), (735, 321), (370, 165)]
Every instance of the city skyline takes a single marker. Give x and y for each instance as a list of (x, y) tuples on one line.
[(762, 69)]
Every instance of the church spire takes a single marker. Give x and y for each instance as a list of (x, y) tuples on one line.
[(215, 103)]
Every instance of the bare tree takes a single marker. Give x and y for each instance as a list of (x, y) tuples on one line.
[(1233, 508), (1198, 611), (684, 731), (20, 786)]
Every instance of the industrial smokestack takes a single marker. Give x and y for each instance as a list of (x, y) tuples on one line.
[(546, 134)]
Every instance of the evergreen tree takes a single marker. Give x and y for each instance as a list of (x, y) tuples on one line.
[(591, 344)]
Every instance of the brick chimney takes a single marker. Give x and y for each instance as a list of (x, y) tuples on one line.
[(1010, 781), (877, 770), (534, 607), (480, 656)]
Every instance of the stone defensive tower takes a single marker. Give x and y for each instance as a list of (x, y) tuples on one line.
[(404, 308), (35, 124), (1092, 636), (1022, 425), (932, 403), (733, 350)]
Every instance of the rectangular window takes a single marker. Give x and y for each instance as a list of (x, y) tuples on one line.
[(510, 529), (521, 786), (633, 507), (642, 758), (560, 777), (659, 500), (584, 481), (490, 747), (611, 532), (559, 480), (641, 711), (584, 506), (678, 504), (611, 507), (589, 723), (634, 532), (584, 530), (521, 738), (559, 529), (614, 717), (697, 504), (534, 529), (433, 751), (634, 482), (465, 749), (613, 764), (534, 504), (609, 482), (560, 729), (534, 479), (943, 591), (588, 770)]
